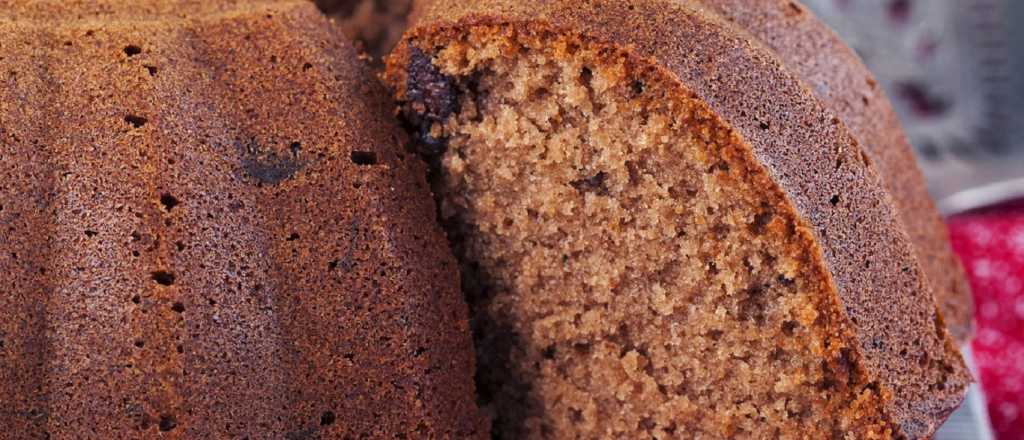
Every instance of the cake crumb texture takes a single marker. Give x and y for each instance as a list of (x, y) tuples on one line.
[(664, 232), (630, 274)]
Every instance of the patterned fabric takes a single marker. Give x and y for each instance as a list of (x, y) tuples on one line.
[(991, 245)]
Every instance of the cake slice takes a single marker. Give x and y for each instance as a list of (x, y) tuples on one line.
[(209, 229), (663, 232), (848, 89)]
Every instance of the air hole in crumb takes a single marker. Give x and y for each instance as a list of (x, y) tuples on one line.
[(752, 306), (135, 121), (720, 166), (761, 220), (332, 265), (637, 87), (178, 307), (327, 418), (140, 343), (167, 422), (648, 423), (595, 184), (294, 236), (582, 348), (168, 201), (307, 66), (364, 158), (763, 125), (137, 299), (152, 70), (163, 277), (834, 200), (576, 415), (179, 245), (295, 148), (90, 233), (132, 50), (180, 349), (789, 327), (549, 352), (586, 75), (273, 59)]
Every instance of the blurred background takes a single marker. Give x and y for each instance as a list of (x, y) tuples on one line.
[(948, 67)]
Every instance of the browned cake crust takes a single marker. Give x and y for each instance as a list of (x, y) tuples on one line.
[(848, 89), (209, 229), (832, 190)]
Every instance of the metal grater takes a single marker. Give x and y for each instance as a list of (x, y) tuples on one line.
[(946, 65)]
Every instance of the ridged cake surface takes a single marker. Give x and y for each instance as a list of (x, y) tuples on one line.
[(209, 229)]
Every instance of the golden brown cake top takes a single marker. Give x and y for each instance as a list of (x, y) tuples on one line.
[(55, 13), (209, 228)]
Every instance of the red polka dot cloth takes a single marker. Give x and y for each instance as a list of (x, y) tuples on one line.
[(991, 245)]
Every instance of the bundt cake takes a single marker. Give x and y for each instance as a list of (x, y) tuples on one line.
[(664, 232), (375, 25), (848, 89), (210, 229)]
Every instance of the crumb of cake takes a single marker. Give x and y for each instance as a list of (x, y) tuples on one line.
[(629, 271)]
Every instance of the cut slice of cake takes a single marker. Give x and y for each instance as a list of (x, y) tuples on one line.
[(663, 232)]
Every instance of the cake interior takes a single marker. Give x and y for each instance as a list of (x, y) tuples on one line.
[(631, 272)]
